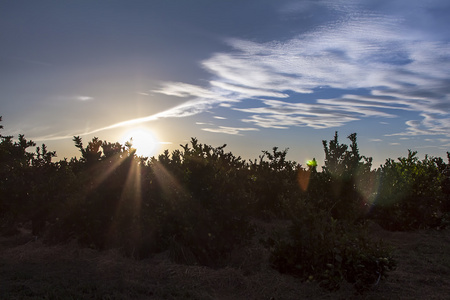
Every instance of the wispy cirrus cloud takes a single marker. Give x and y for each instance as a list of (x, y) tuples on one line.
[(282, 115), (81, 98), (429, 125), (84, 98), (402, 70), (180, 89), (185, 109), (229, 130)]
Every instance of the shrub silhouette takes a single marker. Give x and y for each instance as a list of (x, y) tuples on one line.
[(15, 175), (204, 218), (273, 183), (411, 193), (189, 202), (350, 179), (321, 248), (324, 243), (197, 203)]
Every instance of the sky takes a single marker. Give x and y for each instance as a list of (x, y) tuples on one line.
[(252, 74)]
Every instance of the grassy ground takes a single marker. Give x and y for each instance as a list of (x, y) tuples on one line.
[(31, 270)]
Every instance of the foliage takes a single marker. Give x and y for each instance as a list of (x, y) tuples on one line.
[(325, 243), (411, 193), (348, 177), (188, 202), (205, 218), (197, 203), (321, 248), (446, 186), (273, 184), (15, 170)]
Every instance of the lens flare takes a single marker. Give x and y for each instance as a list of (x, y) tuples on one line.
[(143, 140)]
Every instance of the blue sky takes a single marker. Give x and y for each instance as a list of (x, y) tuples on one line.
[(253, 74)]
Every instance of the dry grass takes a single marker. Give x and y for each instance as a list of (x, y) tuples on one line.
[(31, 270)]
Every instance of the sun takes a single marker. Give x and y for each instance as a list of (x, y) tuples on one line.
[(143, 140)]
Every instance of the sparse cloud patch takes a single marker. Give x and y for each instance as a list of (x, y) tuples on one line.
[(229, 130), (84, 98), (429, 125)]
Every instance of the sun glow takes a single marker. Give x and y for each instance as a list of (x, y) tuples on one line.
[(143, 140)]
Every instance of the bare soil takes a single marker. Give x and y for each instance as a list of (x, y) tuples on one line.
[(30, 269)]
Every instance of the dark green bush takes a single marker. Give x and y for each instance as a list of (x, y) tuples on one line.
[(273, 184), (15, 175), (205, 219), (410, 194), (191, 202), (197, 203), (347, 178), (321, 248)]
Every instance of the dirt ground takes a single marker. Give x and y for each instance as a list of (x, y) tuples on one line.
[(31, 270)]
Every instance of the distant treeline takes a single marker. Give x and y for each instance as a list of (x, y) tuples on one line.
[(198, 203)]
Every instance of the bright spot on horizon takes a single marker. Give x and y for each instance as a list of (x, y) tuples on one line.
[(143, 140)]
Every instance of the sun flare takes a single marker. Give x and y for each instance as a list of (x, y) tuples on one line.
[(143, 140)]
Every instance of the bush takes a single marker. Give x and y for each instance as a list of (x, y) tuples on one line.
[(191, 202), (197, 203), (410, 193), (206, 218), (321, 248), (348, 179), (273, 184), (15, 175)]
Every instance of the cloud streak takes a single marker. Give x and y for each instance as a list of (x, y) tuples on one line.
[(229, 130), (401, 69), (186, 109)]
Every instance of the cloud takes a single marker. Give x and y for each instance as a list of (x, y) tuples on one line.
[(180, 89), (402, 70), (244, 92), (413, 76), (429, 125), (229, 130), (186, 109), (84, 98), (282, 115)]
